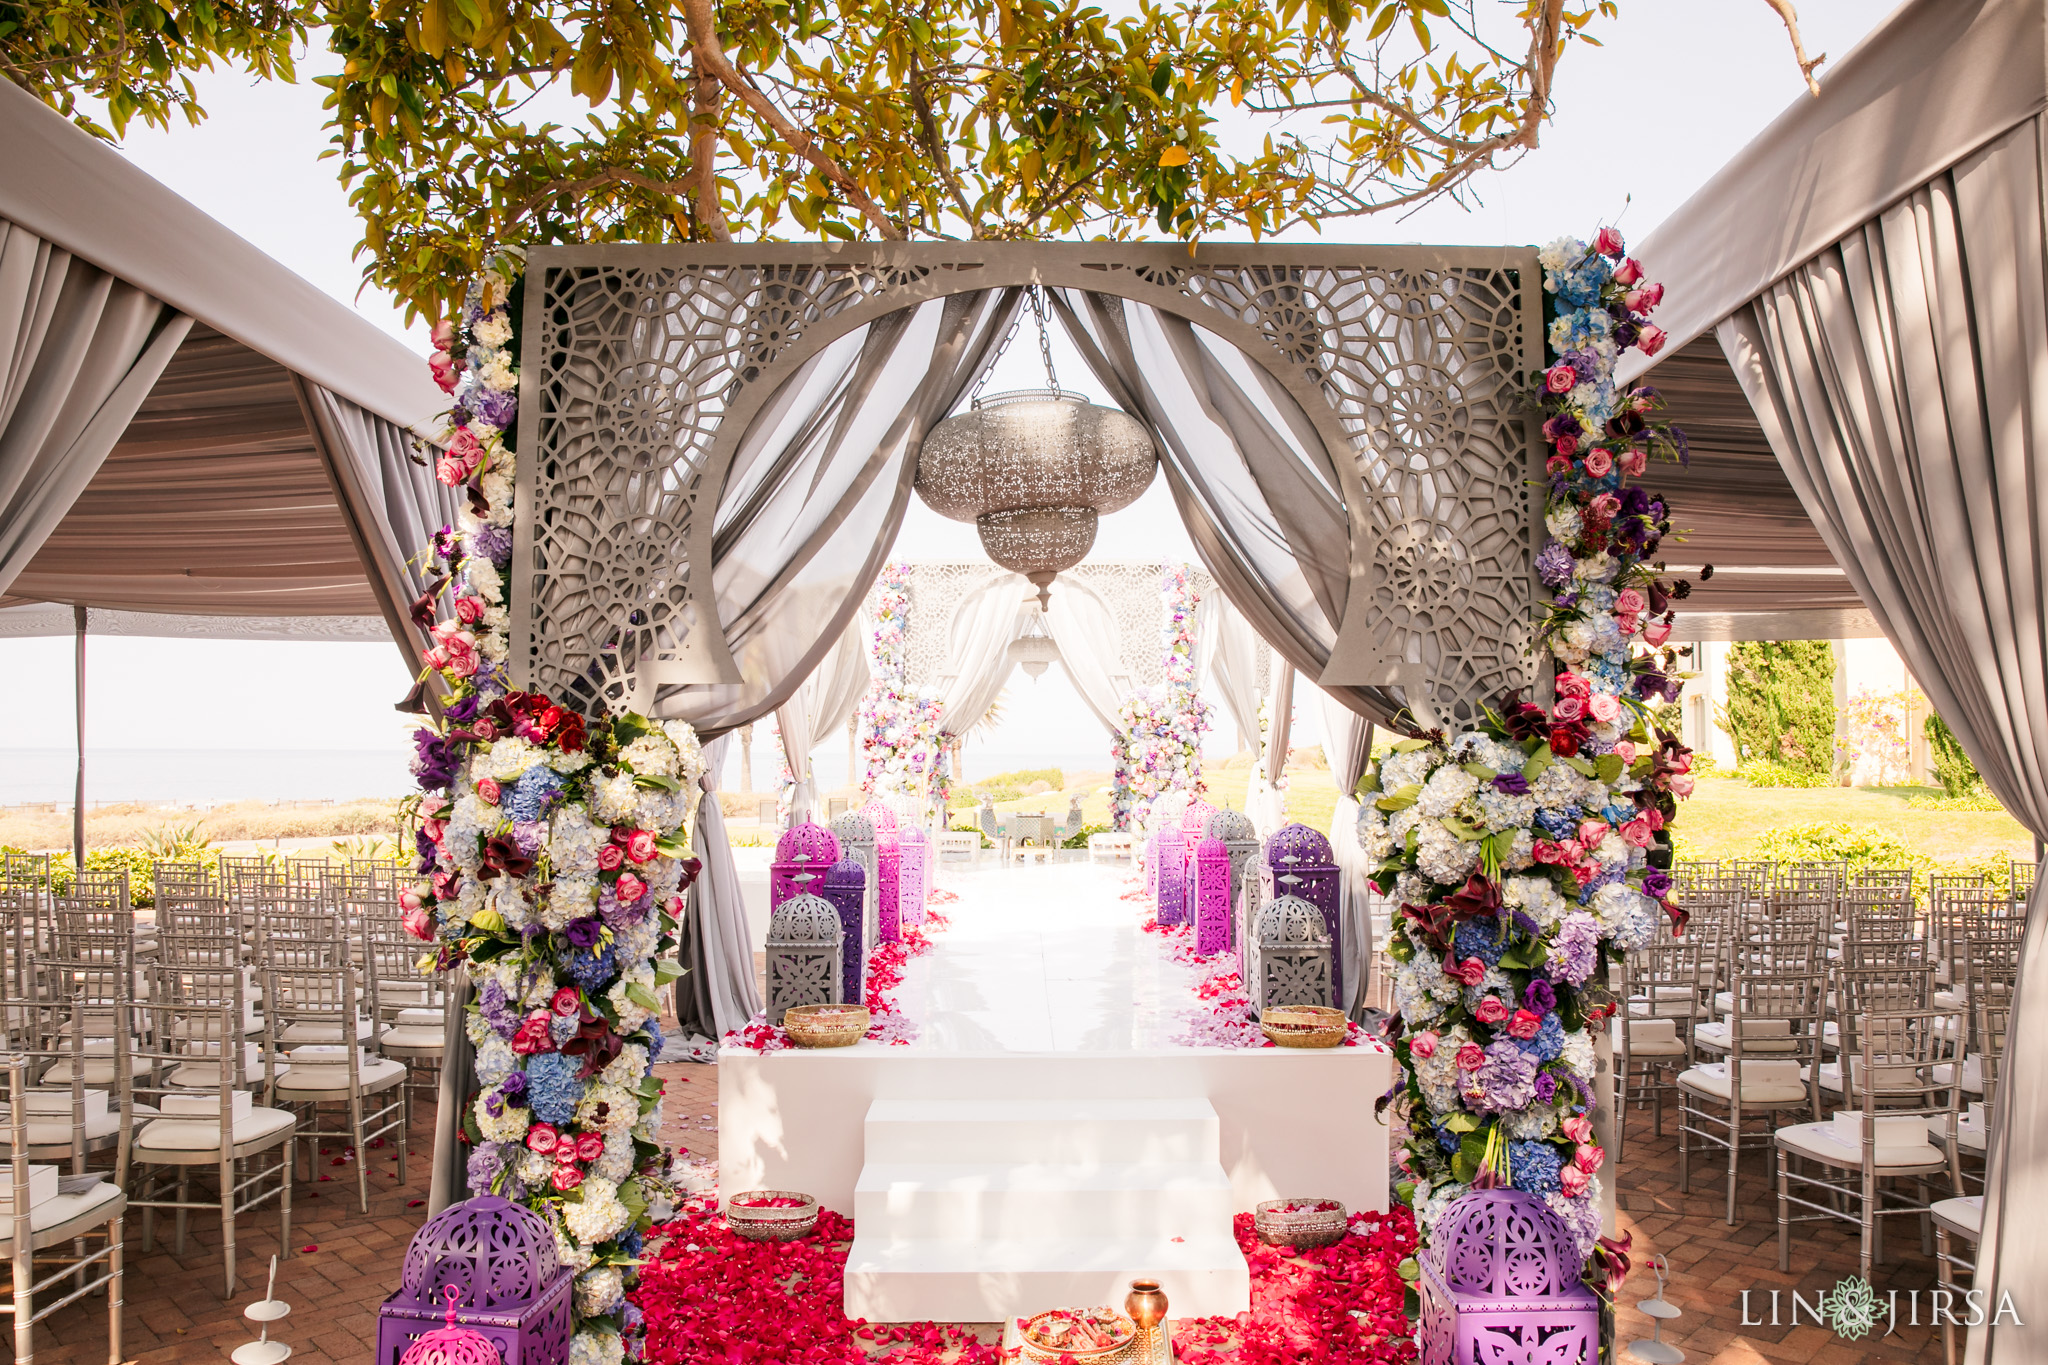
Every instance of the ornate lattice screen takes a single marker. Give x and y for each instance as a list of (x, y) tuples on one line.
[(643, 365)]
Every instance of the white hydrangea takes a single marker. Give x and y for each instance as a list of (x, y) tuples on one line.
[(1401, 822), (1557, 788), (608, 1108), (1528, 1125), (631, 1014), (566, 763), (473, 1024), (613, 798), (1372, 833), (572, 898), (1503, 810), (509, 1126), (1438, 1074), (596, 1348), (1409, 769), (1413, 983), (1447, 788), (650, 755), (472, 897), (573, 842), (1561, 254), (1410, 888), (568, 1250), (493, 329), (664, 812), (599, 1291), (484, 577), (689, 751), (509, 757), (470, 817), (1538, 897), (1613, 850), (648, 1128), (1521, 851), (497, 373), (600, 1216), (1626, 915), (663, 877), (494, 1058), (637, 941), (1564, 522), (508, 898), (617, 1162), (1577, 1056), (1443, 857), (629, 1067)]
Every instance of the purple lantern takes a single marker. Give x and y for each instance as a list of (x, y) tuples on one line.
[(888, 873), (1501, 1283), (452, 1344), (1211, 896), (1152, 868), (802, 855), (914, 888), (1173, 878), (500, 1259), (846, 889), (1299, 863)]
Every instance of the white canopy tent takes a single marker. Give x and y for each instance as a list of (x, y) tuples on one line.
[(1862, 294)]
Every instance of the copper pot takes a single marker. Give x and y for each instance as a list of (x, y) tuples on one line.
[(1145, 1305)]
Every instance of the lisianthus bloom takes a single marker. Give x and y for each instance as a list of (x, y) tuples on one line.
[(1608, 243), (1524, 1024), (1561, 378), (1599, 463), (1540, 996), (1423, 1045), (629, 888), (542, 1138), (640, 845), (566, 1001), (590, 1146), (1491, 1010), (1471, 1057), (611, 858), (489, 790)]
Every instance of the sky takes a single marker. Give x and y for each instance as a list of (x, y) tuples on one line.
[(1678, 87)]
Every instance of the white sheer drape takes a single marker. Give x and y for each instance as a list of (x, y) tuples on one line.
[(1230, 659), (820, 706), (1347, 742), (978, 652), (717, 993), (1090, 646)]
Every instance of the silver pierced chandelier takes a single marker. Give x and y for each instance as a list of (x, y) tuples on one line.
[(1034, 469)]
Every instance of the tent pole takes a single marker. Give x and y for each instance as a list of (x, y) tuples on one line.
[(78, 795)]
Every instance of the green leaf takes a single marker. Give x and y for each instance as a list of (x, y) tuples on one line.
[(1538, 763), (1401, 798), (1582, 766), (657, 781), (1409, 746), (642, 997), (667, 970), (1462, 1121), (1481, 771), (1610, 768)]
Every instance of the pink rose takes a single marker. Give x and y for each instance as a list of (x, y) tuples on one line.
[(1628, 272), (1599, 463), (464, 445), (1471, 1057), (1588, 1157), (611, 858), (1604, 507), (445, 368), (1680, 785), (451, 471), (1630, 601), (1470, 972), (1626, 749), (565, 1001), (565, 1178), (460, 658), (418, 922), (1634, 462), (1608, 243), (590, 1146), (1569, 709), (485, 728), (1655, 817), (1578, 1128), (640, 845), (1574, 1181), (433, 804), (1550, 853), (1603, 706), (1557, 464), (1573, 685), (1591, 832), (1491, 1010), (1423, 1045), (629, 888), (1560, 378), (1651, 339), (413, 897), (1656, 633), (489, 790), (533, 1035), (542, 1138), (1644, 299), (469, 610), (1525, 1024), (1637, 833)]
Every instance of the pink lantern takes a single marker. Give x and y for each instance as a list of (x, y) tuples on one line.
[(451, 1344)]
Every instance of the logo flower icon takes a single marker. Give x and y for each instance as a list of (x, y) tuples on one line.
[(1852, 1307)]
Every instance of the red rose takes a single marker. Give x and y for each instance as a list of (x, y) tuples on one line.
[(589, 1146), (566, 1002), (1471, 1057), (549, 718), (1525, 1024), (565, 1178), (1564, 741), (570, 739), (541, 1138), (1560, 378), (1491, 1010)]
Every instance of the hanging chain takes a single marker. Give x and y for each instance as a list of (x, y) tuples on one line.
[(1036, 296)]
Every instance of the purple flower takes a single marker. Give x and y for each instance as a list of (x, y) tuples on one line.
[(435, 760), (447, 544), (1656, 884), (1545, 1087), (484, 1164), (493, 543), (1575, 953), (1514, 784), (1504, 1082), (1540, 997), (529, 835), (584, 932), (496, 1010), (462, 710), (495, 407)]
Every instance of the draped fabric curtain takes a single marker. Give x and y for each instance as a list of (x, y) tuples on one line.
[(79, 351), (393, 506), (979, 652), (1246, 467), (1229, 657), (1279, 734), (817, 490), (1090, 646), (717, 993), (819, 707), (1902, 378), (1347, 743)]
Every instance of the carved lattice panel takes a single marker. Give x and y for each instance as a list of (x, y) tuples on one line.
[(642, 366)]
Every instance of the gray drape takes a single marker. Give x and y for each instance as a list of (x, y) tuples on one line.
[(1902, 377), (1246, 467), (393, 506), (79, 351), (1347, 741), (819, 707), (718, 993)]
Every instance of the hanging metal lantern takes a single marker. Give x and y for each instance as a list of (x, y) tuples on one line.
[(1034, 651), (1033, 470)]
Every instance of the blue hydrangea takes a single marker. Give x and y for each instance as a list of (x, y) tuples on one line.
[(533, 794), (552, 1087), (630, 1242), (1480, 938), (1617, 814), (1548, 1042), (593, 968), (1608, 875), (650, 1038), (1534, 1167), (1448, 1140), (1557, 824), (1580, 282)]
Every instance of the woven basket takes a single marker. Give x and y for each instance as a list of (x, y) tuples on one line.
[(1303, 1025), (825, 1025), (1279, 1226), (771, 1225)]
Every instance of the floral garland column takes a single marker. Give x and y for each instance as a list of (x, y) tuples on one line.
[(1158, 744), (1533, 851), (552, 861), (899, 724)]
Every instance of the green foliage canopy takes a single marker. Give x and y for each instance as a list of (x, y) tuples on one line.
[(1952, 767), (1781, 704)]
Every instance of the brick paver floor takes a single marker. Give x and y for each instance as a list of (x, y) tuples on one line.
[(176, 1313)]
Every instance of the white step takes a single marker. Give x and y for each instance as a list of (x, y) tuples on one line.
[(949, 1281), (1052, 1131), (991, 1201)]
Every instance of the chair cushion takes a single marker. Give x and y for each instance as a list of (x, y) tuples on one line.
[(198, 1135), (97, 1070), (1757, 1036), (1762, 1082), (1823, 1142), (1965, 1215), (414, 1037), (62, 1209), (1973, 1074), (1948, 1000), (422, 1017), (48, 1130), (302, 1081), (320, 1033), (1654, 1038)]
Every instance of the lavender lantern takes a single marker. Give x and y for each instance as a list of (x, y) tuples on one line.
[(1172, 900), (1501, 1282), (802, 855), (500, 1259), (888, 873), (1194, 823), (1211, 896), (856, 835), (1298, 863), (846, 888)]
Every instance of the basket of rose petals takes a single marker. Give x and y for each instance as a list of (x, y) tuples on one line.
[(1303, 1025), (825, 1025), (1076, 1334), (1303, 1224), (771, 1215)]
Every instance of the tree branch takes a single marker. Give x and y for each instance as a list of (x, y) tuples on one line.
[(704, 43), (710, 213), (1806, 64)]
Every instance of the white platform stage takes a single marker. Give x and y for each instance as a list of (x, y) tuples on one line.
[(1043, 1142)]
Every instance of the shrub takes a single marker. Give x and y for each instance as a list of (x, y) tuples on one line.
[(1079, 838), (1763, 772), (1781, 704), (1872, 846), (1952, 767), (1023, 782)]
